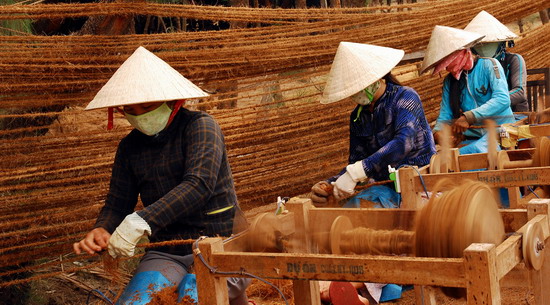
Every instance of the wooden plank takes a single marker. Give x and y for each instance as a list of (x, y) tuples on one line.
[(509, 255), (409, 197), (479, 160), (472, 161), (300, 207), (212, 290), (380, 269), (509, 252), (541, 279), (305, 292), (537, 193), (539, 206), (480, 264), (513, 219), (495, 178), (540, 130), (537, 209), (514, 197), (455, 164), (424, 295), (424, 169), (521, 154)]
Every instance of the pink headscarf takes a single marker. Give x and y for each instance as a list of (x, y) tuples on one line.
[(456, 62)]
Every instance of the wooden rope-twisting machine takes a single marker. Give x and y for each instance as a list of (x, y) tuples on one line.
[(459, 239), (468, 255)]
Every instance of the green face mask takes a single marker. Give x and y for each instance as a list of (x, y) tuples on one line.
[(365, 96), (486, 49), (152, 122)]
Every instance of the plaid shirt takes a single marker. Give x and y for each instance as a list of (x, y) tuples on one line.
[(395, 133), (181, 174)]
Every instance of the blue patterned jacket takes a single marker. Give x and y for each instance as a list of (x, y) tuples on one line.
[(395, 133)]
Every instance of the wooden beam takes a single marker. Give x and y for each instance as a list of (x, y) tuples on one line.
[(539, 209), (494, 178), (380, 269), (480, 264), (425, 295), (509, 255), (541, 278), (409, 198), (211, 289), (479, 160), (509, 252), (541, 130), (305, 292), (513, 219)]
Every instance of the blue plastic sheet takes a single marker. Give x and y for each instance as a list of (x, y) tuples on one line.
[(383, 196)]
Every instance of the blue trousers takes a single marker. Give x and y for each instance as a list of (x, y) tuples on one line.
[(158, 270)]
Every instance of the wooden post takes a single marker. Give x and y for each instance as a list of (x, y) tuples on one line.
[(482, 282), (305, 292), (520, 25), (544, 16), (514, 197), (425, 295), (301, 4), (335, 3), (212, 290), (541, 279), (409, 197), (454, 166)]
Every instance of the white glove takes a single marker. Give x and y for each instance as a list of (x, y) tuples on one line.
[(345, 184), (123, 241)]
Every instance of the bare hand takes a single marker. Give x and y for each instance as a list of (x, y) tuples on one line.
[(95, 241), (460, 125)]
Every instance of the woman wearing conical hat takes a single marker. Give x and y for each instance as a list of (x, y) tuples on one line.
[(387, 127), (475, 89), (497, 35), (175, 161)]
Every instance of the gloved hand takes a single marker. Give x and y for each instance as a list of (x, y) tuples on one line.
[(123, 241), (319, 193), (345, 184)]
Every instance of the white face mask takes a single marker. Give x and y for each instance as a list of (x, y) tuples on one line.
[(486, 49), (152, 122), (365, 96)]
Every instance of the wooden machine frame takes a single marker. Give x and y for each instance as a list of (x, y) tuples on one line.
[(483, 269)]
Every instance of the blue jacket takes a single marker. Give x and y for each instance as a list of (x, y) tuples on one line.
[(484, 96), (395, 133)]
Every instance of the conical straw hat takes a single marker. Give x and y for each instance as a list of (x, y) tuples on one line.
[(485, 24), (144, 78), (355, 66), (444, 41)]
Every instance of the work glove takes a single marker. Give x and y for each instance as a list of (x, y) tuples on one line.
[(123, 241), (319, 193), (345, 184)]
